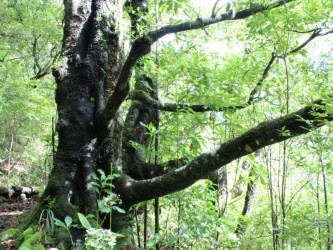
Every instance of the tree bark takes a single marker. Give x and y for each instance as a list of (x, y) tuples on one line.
[(89, 67)]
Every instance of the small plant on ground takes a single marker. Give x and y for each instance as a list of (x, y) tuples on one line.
[(46, 219), (97, 238), (67, 225), (107, 200)]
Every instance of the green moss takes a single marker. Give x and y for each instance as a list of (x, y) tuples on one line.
[(34, 240), (29, 231), (10, 234), (31, 240), (61, 237), (38, 247), (26, 234)]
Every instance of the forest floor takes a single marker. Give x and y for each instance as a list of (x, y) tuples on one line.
[(10, 216)]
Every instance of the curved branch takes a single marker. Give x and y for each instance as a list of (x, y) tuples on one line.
[(204, 22), (264, 134), (151, 170), (315, 34), (142, 46), (214, 11)]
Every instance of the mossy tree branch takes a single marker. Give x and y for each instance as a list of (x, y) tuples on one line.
[(266, 133)]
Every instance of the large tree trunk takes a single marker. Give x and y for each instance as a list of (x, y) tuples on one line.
[(89, 67)]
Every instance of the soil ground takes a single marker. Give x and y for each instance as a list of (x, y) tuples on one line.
[(10, 216)]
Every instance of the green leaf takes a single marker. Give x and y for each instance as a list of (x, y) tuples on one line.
[(119, 235), (105, 209), (85, 223), (120, 210), (101, 172), (251, 157), (59, 223), (228, 7), (68, 221), (263, 182)]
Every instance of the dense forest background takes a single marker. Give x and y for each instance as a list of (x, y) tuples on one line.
[(243, 72)]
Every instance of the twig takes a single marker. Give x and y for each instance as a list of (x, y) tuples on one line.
[(214, 12)]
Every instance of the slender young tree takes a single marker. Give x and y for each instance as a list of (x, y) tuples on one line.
[(93, 80)]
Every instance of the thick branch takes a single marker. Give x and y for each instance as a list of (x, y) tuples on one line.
[(142, 46), (204, 22), (151, 170), (266, 133), (78, 20)]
